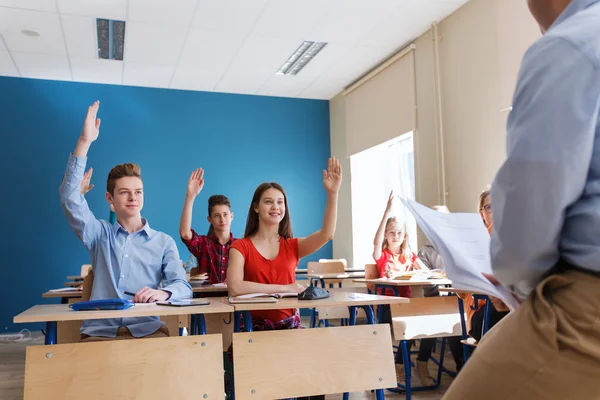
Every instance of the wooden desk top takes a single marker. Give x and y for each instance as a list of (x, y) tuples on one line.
[(209, 289), (74, 278), (58, 295), (395, 282), (73, 284), (335, 275), (460, 291), (62, 312), (337, 298), (303, 271)]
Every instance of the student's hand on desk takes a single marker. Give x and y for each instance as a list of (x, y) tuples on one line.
[(389, 274), (332, 178), (294, 288), (147, 295), (195, 183), (91, 124)]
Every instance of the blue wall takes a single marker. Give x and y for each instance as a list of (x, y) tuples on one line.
[(239, 140)]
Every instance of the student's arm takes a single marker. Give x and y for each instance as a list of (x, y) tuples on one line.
[(237, 286), (332, 180), (194, 187), (73, 203), (378, 240)]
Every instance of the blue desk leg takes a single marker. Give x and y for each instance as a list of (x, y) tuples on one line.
[(371, 321), (463, 328), (237, 322), (202, 324), (486, 315), (51, 334), (247, 321)]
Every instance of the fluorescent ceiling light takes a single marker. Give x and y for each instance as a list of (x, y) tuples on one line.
[(303, 54), (111, 39)]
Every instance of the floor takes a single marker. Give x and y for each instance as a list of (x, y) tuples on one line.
[(12, 366)]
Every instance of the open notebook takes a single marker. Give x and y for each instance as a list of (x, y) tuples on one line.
[(260, 297)]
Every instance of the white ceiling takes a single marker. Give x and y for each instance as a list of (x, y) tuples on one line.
[(233, 46)]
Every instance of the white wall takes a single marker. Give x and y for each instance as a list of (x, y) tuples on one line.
[(480, 49)]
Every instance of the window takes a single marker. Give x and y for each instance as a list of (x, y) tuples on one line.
[(375, 172)]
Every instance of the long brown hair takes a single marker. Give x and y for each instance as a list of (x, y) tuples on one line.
[(252, 222), (216, 200), (404, 247)]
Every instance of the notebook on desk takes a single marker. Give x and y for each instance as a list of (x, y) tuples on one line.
[(260, 297)]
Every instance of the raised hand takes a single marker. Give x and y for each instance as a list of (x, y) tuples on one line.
[(85, 183), (195, 183), (390, 202), (332, 178), (91, 124)]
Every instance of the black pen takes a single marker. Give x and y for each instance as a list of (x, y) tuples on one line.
[(129, 293)]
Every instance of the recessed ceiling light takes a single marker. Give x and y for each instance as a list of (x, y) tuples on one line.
[(111, 39), (29, 32), (303, 54)]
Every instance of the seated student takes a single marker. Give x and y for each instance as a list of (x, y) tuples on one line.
[(393, 256), (432, 259), (266, 258), (211, 250), (499, 309), (126, 256)]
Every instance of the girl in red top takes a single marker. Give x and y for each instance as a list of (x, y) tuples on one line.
[(393, 256), (265, 260)]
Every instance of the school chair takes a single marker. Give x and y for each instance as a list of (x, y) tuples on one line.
[(85, 270), (276, 365), (425, 317), (176, 367), (326, 267)]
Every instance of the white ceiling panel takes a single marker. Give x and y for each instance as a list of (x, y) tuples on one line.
[(196, 79), (147, 75), (177, 13), (97, 70), (210, 49), (50, 41), (40, 5), (349, 20), (106, 9), (153, 44), (233, 46), (43, 66), (7, 67), (236, 16), (241, 83), (263, 55), (80, 36), (294, 19)]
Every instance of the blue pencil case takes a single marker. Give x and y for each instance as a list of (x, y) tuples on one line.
[(106, 304)]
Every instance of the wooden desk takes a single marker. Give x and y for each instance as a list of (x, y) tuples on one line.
[(62, 295), (333, 275), (338, 298), (74, 278), (209, 289), (52, 313), (73, 284), (418, 285), (303, 271)]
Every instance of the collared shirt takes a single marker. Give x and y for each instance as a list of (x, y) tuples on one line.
[(212, 256), (546, 196), (121, 261)]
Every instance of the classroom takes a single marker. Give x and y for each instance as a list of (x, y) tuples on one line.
[(298, 199)]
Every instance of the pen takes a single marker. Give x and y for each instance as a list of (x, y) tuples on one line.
[(129, 293)]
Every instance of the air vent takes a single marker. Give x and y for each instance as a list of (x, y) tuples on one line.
[(303, 54), (111, 39)]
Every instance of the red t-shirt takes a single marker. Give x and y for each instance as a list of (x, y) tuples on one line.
[(397, 263), (279, 271)]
